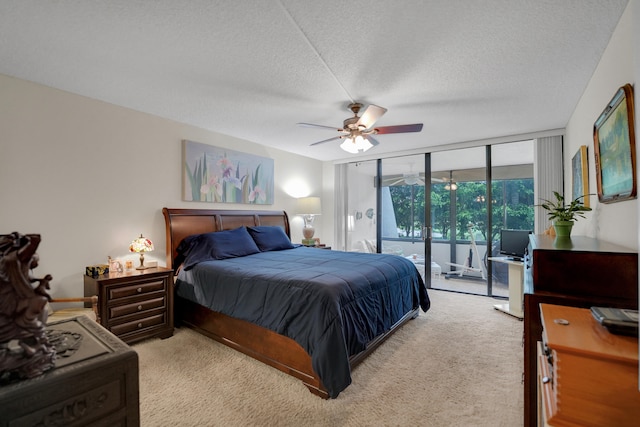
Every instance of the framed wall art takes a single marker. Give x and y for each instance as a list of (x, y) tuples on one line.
[(213, 174), (615, 148), (580, 175)]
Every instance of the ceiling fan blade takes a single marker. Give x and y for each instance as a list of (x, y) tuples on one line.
[(311, 125), (372, 140), (399, 129), (371, 115), (325, 140)]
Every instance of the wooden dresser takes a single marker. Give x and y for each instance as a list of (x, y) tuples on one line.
[(94, 382), (582, 272), (587, 376)]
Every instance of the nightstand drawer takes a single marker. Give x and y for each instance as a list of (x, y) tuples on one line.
[(138, 288), (139, 325), (138, 307)]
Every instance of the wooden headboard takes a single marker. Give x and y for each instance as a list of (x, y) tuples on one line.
[(180, 223)]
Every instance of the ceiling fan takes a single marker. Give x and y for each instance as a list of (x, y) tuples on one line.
[(411, 178), (408, 178), (358, 131)]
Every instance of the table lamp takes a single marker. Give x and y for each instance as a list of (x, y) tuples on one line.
[(308, 207), (142, 245)]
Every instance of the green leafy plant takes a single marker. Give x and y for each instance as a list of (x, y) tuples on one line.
[(559, 211)]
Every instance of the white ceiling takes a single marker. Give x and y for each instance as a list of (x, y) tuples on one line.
[(253, 69)]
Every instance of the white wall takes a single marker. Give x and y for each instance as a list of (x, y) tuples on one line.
[(615, 222), (90, 176), (361, 197)]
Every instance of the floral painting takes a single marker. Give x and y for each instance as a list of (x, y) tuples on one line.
[(213, 174)]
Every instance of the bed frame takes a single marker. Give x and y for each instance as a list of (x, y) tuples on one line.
[(260, 343)]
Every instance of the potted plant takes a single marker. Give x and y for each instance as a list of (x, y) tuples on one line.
[(564, 215)]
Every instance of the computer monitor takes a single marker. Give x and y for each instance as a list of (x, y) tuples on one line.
[(513, 243)]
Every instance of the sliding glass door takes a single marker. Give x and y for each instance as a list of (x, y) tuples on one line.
[(443, 211), (512, 201), (459, 219), (403, 208)]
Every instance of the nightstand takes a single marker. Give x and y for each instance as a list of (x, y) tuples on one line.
[(319, 247), (134, 305)]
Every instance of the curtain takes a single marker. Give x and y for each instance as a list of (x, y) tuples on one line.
[(340, 215), (548, 176)]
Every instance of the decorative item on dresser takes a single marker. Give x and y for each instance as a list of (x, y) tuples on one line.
[(586, 272), (564, 215), (136, 304), (94, 382), (587, 376), (302, 330), (308, 208)]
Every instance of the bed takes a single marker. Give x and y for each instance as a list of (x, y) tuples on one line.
[(311, 313)]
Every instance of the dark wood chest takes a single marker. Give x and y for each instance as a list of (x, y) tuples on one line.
[(96, 385)]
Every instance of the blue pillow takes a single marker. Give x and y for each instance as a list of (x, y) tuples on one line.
[(220, 245), (270, 238), (183, 249)]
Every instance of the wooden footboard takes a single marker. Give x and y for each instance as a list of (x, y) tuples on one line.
[(255, 341), (265, 345)]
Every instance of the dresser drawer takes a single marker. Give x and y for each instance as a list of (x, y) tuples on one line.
[(136, 307), (139, 324), (588, 376), (137, 288)]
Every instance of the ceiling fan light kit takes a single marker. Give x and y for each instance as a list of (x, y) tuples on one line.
[(450, 185), (356, 145), (357, 131)]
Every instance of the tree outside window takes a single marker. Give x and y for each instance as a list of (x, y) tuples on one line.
[(512, 207)]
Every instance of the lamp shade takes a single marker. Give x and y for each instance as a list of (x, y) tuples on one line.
[(141, 244), (309, 206)]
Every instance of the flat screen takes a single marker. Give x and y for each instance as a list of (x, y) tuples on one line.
[(513, 243)]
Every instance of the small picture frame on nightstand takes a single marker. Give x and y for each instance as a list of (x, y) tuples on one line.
[(115, 265)]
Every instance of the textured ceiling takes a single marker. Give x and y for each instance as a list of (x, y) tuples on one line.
[(253, 69)]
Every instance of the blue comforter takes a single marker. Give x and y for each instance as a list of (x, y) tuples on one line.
[(332, 303)]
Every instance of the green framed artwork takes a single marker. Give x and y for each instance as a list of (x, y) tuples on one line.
[(219, 175), (615, 148), (580, 174)]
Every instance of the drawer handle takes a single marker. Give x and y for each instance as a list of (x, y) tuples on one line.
[(139, 290), (139, 325), (139, 307), (545, 380)]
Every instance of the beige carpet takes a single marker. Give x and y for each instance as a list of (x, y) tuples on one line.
[(460, 364)]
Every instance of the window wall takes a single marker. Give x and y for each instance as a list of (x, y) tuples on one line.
[(444, 211)]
